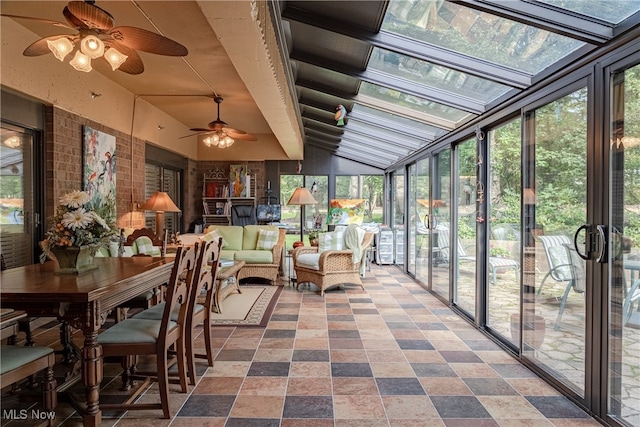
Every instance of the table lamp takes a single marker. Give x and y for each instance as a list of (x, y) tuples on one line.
[(301, 196), (161, 203)]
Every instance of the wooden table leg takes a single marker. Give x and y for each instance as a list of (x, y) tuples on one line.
[(92, 377)]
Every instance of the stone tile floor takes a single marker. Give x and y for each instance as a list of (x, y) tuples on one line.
[(392, 355)]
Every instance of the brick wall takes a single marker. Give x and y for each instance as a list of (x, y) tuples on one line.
[(64, 169)]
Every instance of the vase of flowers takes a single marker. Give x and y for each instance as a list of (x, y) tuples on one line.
[(78, 231)]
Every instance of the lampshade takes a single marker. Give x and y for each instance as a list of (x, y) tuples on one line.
[(81, 62), (160, 201), (302, 196), (92, 46), (115, 58), (60, 47)]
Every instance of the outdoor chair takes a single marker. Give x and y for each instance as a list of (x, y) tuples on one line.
[(557, 259), (495, 264), (631, 318), (145, 337)]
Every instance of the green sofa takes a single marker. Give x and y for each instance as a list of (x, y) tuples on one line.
[(239, 244)]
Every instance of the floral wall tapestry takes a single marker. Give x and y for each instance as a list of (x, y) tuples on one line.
[(99, 171)]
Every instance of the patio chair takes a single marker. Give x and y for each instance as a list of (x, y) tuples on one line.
[(495, 263), (631, 318), (557, 258), (576, 279)]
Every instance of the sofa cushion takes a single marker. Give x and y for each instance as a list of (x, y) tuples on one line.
[(128, 251), (310, 261), (226, 254), (251, 232), (330, 241), (231, 236), (267, 239), (254, 257)]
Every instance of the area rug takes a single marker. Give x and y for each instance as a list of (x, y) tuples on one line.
[(252, 307)]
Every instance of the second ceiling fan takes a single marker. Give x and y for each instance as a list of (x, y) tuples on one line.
[(219, 134)]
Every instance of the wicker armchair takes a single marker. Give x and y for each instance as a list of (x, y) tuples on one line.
[(335, 267), (266, 271)]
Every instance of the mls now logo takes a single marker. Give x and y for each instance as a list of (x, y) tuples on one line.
[(23, 414)]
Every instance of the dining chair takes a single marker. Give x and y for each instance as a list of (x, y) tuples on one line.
[(18, 363), (199, 304), (147, 243), (135, 337)]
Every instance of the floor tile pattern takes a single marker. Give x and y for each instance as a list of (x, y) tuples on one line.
[(392, 355)]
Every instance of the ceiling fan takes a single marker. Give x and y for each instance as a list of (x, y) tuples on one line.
[(99, 38), (222, 136)]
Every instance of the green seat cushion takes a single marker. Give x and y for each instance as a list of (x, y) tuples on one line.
[(227, 254), (13, 356), (254, 257), (231, 236), (157, 310), (131, 331), (251, 232)]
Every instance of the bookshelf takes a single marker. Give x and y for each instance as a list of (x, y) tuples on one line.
[(216, 203)]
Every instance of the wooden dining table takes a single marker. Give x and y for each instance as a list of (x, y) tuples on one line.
[(83, 301)]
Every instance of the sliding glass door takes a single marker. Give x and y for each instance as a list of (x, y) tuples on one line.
[(624, 249)]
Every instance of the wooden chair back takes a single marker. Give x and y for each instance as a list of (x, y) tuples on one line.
[(159, 241)]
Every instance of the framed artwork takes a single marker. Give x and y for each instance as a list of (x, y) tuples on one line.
[(238, 182), (99, 171), (346, 211)]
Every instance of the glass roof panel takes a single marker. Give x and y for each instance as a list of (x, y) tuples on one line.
[(427, 74), (609, 11), (387, 119), (414, 103), (478, 34)]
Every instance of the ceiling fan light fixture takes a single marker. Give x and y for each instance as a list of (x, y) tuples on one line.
[(210, 142), (60, 47), (81, 62), (115, 57), (92, 46)]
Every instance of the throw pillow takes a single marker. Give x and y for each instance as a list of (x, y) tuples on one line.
[(267, 239), (330, 241), (145, 246), (211, 236)]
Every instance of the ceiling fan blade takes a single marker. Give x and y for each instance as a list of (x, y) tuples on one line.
[(46, 21), (71, 19), (232, 130), (206, 131), (133, 64), (91, 16), (147, 41), (40, 47), (242, 136), (199, 130)]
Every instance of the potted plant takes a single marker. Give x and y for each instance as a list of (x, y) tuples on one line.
[(499, 252), (76, 234), (313, 237)]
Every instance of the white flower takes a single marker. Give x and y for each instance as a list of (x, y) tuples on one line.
[(97, 218), (74, 199), (77, 219)]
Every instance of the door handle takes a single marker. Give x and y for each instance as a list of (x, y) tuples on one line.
[(602, 253), (587, 228), (425, 221)]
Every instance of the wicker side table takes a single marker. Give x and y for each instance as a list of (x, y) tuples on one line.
[(224, 288)]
